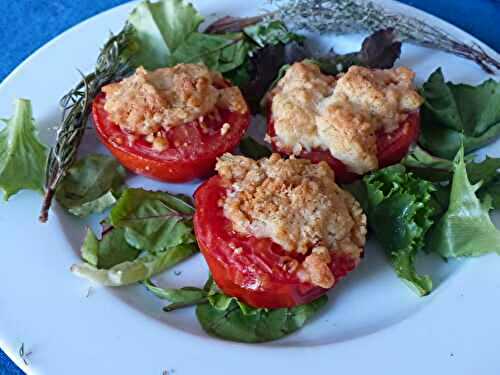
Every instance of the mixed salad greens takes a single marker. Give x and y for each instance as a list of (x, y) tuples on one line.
[(437, 200)]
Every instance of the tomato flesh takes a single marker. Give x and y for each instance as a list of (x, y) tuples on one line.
[(192, 147), (249, 268), (391, 147)]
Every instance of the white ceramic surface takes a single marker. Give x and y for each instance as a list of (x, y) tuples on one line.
[(373, 322)]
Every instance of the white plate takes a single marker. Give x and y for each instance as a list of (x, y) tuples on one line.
[(373, 321)]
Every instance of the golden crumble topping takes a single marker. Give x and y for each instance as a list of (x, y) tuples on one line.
[(149, 100), (342, 114), (298, 205)]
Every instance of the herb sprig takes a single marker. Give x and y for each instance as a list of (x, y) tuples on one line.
[(349, 16), (112, 64), (345, 16)]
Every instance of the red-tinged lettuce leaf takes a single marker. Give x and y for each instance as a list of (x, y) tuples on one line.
[(379, 50)]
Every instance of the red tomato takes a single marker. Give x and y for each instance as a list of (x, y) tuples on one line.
[(192, 149), (391, 147), (249, 268)]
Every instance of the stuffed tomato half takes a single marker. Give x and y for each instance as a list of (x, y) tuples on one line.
[(275, 232), (172, 123), (357, 122)]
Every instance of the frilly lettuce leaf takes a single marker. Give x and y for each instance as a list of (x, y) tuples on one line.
[(456, 114), (400, 213), (91, 185), (465, 229), (22, 155)]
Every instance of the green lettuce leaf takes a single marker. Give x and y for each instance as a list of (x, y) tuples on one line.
[(400, 212), (161, 28), (271, 33), (466, 228), (222, 53), (153, 220), (456, 114), (91, 185), (22, 155), (141, 268)]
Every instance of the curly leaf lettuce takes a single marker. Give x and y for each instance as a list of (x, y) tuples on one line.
[(399, 212), (22, 155), (456, 114), (465, 229), (91, 185)]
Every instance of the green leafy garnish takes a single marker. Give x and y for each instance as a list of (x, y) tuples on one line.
[(456, 114), (146, 233), (230, 319), (251, 148), (465, 229), (141, 268), (271, 33), (160, 29), (222, 53), (400, 212), (183, 297), (153, 220), (91, 185), (22, 155)]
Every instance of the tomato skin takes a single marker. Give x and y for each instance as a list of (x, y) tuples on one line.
[(391, 147), (247, 267), (196, 160)]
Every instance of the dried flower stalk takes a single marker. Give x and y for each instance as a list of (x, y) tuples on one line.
[(344, 16)]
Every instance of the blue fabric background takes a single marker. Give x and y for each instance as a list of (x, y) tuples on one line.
[(28, 24)]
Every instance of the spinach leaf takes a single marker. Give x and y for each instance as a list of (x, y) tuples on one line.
[(456, 114), (22, 155), (400, 212), (251, 148), (91, 185), (232, 320), (466, 228), (153, 220), (183, 297)]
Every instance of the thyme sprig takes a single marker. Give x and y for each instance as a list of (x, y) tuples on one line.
[(112, 64), (343, 16)]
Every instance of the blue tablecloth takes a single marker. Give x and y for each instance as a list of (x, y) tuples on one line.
[(28, 24)]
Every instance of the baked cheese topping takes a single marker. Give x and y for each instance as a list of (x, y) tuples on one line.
[(298, 205), (147, 101), (343, 114)]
